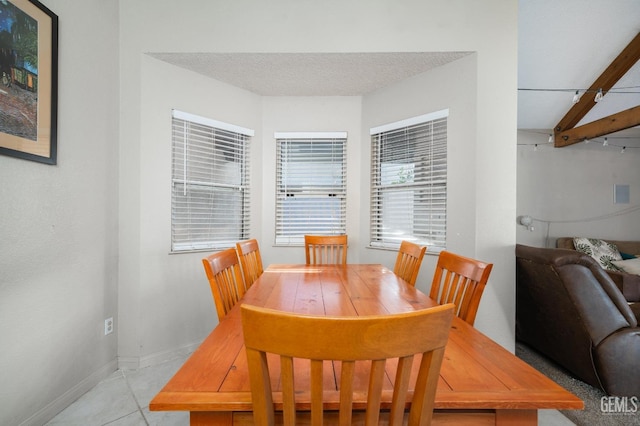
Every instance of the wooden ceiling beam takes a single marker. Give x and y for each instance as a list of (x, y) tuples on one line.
[(614, 72), (604, 126)]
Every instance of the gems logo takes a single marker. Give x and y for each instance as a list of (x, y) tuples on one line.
[(626, 405)]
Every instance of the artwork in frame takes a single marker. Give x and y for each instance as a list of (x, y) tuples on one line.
[(29, 80)]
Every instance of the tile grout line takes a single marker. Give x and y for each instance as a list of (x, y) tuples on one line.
[(126, 379), (120, 418), (124, 376)]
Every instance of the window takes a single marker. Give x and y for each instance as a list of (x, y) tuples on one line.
[(209, 183), (311, 185), (409, 182)]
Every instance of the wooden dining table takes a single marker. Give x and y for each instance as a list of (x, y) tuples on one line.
[(480, 381)]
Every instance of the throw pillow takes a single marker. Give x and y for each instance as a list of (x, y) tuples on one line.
[(626, 256), (602, 251), (630, 266)]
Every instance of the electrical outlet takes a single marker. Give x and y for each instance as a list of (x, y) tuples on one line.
[(108, 326)]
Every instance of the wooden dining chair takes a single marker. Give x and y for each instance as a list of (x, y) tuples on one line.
[(225, 279), (346, 340), (408, 261), (250, 260), (460, 280), (325, 249)]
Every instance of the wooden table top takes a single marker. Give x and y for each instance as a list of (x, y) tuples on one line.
[(476, 373)]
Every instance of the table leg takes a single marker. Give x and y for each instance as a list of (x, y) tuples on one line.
[(218, 418), (516, 417)]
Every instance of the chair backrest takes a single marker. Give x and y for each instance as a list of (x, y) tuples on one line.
[(325, 249), (346, 340), (408, 261), (461, 281), (250, 260), (225, 279)]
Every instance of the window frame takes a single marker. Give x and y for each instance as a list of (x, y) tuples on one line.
[(423, 188), (198, 143), (288, 233)]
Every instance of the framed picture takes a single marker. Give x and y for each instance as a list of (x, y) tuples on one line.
[(29, 84)]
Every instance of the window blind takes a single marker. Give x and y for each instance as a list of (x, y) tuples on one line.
[(310, 185), (409, 183), (209, 185)]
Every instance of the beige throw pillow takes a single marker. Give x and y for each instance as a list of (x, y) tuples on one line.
[(631, 266), (602, 251)]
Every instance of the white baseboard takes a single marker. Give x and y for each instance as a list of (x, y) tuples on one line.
[(133, 363), (123, 363), (56, 406)]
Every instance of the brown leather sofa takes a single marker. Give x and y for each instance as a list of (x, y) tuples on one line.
[(629, 284), (569, 309)]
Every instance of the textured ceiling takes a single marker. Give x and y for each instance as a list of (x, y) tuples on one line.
[(310, 74), (563, 46)]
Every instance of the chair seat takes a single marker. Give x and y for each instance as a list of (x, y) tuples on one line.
[(225, 279), (250, 260), (365, 343), (325, 249), (408, 261), (447, 418), (460, 280)]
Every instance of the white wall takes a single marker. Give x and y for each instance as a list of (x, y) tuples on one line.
[(453, 87), (484, 210), (313, 114), (58, 255), (569, 191), (167, 305), (477, 173), (89, 238)]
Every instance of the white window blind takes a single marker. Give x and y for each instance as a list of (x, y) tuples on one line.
[(409, 182), (311, 185), (209, 185)]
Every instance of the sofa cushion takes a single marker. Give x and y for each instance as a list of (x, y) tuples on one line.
[(630, 266), (603, 252), (635, 308), (631, 247), (569, 309)]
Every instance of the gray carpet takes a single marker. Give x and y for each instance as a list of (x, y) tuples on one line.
[(592, 415)]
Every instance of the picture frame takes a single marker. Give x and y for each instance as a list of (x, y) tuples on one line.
[(28, 81)]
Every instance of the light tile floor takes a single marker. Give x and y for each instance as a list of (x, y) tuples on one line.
[(123, 398)]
